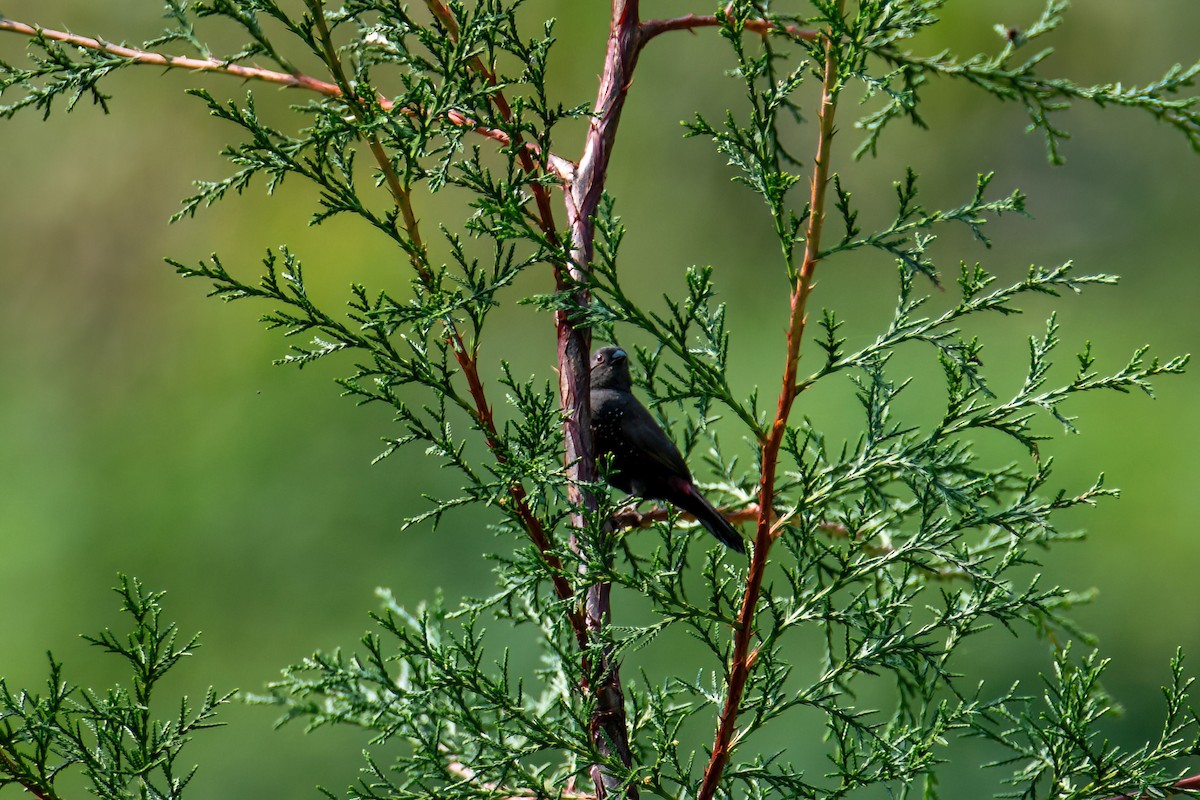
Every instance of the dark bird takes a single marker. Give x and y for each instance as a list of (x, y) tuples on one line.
[(642, 460)]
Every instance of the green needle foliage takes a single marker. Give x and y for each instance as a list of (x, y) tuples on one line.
[(889, 550), (112, 738)]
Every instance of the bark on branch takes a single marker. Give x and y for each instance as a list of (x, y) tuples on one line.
[(561, 167), (1188, 784), (743, 655), (690, 22), (609, 729)]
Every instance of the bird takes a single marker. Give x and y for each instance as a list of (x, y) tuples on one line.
[(641, 459)]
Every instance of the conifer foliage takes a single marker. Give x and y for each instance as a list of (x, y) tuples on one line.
[(887, 551)]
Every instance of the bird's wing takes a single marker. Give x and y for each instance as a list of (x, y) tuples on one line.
[(646, 436)]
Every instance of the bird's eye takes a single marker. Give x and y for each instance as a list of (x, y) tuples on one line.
[(599, 358)]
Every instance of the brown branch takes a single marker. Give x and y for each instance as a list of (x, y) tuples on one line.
[(609, 729), (1188, 784), (22, 777), (418, 257), (632, 518), (743, 657), (533, 525), (690, 22), (525, 152), (288, 80), (601, 675), (467, 359)]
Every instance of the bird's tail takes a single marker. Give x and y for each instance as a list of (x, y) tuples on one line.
[(713, 520)]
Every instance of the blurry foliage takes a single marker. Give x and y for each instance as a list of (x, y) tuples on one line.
[(894, 547)]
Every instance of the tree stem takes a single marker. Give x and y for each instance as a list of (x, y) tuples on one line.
[(466, 358), (292, 80), (609, 729), (743, 656), (653, 28), (9, 764)]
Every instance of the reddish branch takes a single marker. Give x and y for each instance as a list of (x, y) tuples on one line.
[(468, 361), (690, 22), (743, 656), (520, 500), (9, 765), (609, 730), (290, 80), (525, 152), (466, 358), (1189, 784)]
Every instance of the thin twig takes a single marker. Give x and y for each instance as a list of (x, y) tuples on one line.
[(884, 548), (466, 359), (10, 764), (561, 167), (400, 193), (632, 518), (286, 79), (690, 22), (743, 657), (1188, 784), (525, 152)]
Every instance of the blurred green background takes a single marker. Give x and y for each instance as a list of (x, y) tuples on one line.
[(144, 429)]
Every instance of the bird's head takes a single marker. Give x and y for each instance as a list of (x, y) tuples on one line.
[(610, 369)]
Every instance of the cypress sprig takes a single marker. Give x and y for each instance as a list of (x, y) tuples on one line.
[(884, 553), (114, 739)]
